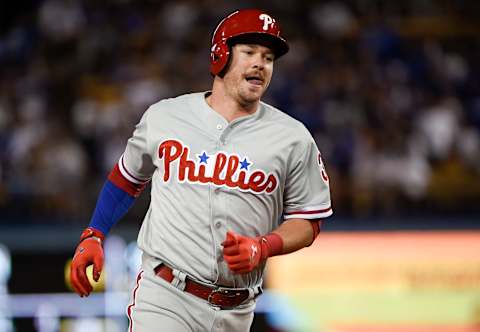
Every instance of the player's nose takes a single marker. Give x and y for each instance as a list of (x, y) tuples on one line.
[(259, 64), (258, 61)]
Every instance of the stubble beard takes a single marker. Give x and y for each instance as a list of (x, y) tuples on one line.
[(247, 97), (242, 93)]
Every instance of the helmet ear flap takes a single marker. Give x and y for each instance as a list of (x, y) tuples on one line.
[(219, 54)]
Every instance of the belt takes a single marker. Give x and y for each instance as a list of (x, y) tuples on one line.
[(225, 298)]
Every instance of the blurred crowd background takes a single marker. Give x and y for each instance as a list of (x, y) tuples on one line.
[(390, 90)]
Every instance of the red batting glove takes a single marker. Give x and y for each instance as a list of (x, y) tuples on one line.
[(243, 254), (89, 251)]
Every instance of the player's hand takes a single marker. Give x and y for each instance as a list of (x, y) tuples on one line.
[(242, 253), (88, 252)]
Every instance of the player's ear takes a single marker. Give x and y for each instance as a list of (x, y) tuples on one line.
[(225, 69)]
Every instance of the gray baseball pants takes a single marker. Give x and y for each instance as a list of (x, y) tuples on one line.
[(157, 305)]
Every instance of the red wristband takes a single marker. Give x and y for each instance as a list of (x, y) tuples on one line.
[(92, 232), (272, 245)]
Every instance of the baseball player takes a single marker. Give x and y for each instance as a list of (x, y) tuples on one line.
[(234, 182)]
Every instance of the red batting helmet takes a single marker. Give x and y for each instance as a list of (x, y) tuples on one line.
[(244, 23)]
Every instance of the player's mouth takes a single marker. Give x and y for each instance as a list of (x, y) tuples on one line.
[(255, 79)]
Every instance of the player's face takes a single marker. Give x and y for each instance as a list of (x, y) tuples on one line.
[(249, 73)]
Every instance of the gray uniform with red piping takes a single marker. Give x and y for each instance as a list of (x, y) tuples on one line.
[(209, 176)]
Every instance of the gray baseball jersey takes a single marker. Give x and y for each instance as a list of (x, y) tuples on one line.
[(209, 176)]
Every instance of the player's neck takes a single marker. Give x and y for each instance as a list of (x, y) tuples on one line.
[(227, 106)]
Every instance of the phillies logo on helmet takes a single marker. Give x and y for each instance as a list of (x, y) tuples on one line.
[(220, 169), (267, 20)]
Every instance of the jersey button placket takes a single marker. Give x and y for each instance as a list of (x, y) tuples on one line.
[(217, 221), (220, 128), (223, 140)]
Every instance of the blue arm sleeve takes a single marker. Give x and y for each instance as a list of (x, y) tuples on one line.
[(112, 204)]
